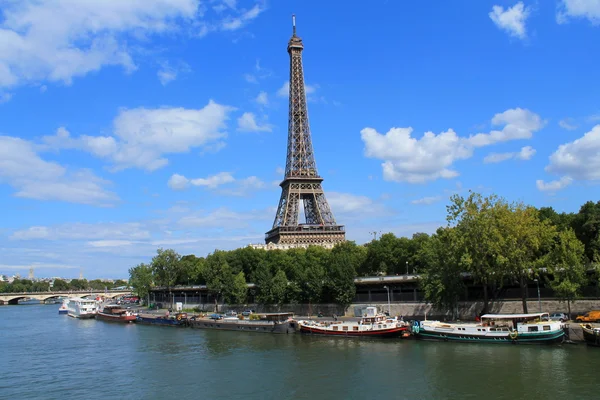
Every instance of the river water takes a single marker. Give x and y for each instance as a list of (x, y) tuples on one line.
[(44, 355)]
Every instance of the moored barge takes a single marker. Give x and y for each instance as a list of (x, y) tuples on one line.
[(115, 313), (177, 320), (591, 334), (495, 328), (267, 323), (370, 325)]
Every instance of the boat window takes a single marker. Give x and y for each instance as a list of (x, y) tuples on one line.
[(533, 329), (546, 327), (345, 328), (355, 328), (335, 328), (493, 329)]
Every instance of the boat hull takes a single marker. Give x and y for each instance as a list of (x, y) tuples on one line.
[(591, 337), (82, 316), (244, 326), (542, 338), (161, 321), (126, 319), (380, 333), (63, 311)]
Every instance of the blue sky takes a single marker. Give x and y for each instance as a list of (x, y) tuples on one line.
[(128, 126)]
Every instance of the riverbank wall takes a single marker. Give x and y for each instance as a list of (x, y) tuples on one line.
[(467, 311)]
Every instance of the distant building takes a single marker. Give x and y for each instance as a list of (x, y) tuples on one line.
[(288, 246)]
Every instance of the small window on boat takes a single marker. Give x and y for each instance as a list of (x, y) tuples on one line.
[(546, 327), (345, 328), (355, 328), (493, 329), (533, 329), (335, 328)]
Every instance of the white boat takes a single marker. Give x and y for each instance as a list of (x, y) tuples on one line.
[(372, 324), (82, 308), (495, 328), (64, 308)]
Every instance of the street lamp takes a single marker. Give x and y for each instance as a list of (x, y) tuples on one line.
[(407, 268), (539, 299), (389, 304)]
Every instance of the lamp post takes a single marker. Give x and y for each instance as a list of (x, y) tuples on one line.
[(539, 298), (389, 303), (407, 268)]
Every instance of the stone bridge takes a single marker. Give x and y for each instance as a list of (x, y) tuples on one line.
[(13, 298)]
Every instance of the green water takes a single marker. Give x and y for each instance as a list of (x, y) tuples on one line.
[(44, 355)]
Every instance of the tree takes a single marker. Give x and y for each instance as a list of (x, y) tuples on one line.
[(140, 279), (279, 288), (166, 268), (119, 283), (475, 221), (218, 275), (567, 267), (237, 293), (191, 268), (60, 285), (345, 259), (442, 279), (78, 284), (586, 224), (524, 239)]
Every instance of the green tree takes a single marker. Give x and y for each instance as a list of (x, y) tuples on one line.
[(345, 259), (524, 240), (567, 267), (141, 279), (119, 283), (238, 291), (191, 268), (60, 285), (441, 279), (475, 221), (586, 224), (78, 284), (218, 276), (166, 268)]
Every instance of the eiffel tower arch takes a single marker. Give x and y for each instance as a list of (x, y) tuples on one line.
[(301, 186)]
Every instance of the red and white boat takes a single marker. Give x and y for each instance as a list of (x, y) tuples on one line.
[(371, 324), (115, 313)]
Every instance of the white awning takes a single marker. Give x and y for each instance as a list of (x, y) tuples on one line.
[(513, 316)]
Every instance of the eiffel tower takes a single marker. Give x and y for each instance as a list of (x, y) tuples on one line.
[(302, 181)]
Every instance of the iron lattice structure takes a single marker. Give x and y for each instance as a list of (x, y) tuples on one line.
[(302, 182)]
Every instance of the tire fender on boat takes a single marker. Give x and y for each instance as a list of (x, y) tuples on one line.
[(513, 335)]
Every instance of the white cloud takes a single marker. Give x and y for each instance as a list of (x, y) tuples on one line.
[(214, 181), (553, 186), (223, 217), (250, 78), (59, 40), (567, 124), (525, 154), (79, 231), (407, 159), (589, 9), (579, 159), (427, 200), (280, 171), (518, 124), (35, 265), (240, 187), (178, 182), (168, 73), (142, 137), (284, 90), (34, 178), (234, 23), (247, 123), (262, 98), (512, 20), (347, 207)]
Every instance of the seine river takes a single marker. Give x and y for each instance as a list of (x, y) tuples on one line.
[(44, 355)]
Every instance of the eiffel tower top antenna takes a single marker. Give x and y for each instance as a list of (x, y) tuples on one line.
[(293, 25)]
